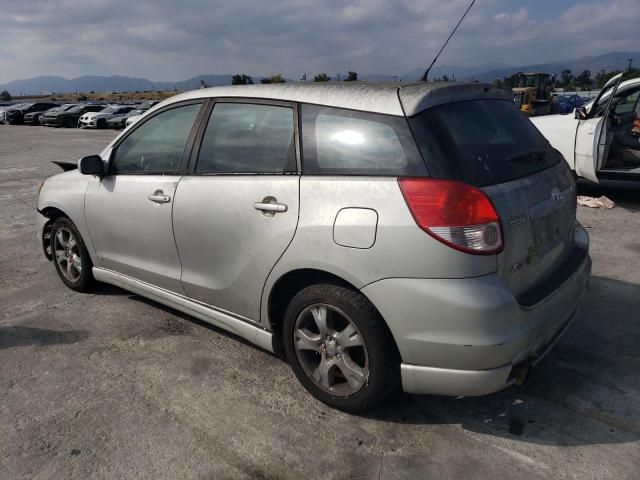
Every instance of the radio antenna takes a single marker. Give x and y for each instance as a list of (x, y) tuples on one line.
[(426, 74)]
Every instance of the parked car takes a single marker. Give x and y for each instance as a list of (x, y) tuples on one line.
[(99, 119), (68, 118), (132, 119), (564, 104), (599, 141), (33, 118), (4, 108), (15, 115), (119, 122), (422, 235)]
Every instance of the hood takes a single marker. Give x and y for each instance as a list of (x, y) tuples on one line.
[(92, 115)]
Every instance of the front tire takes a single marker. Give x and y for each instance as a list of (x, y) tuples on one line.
[(70, 255), (340, 348)]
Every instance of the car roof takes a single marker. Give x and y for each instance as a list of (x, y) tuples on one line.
[(387, 98)]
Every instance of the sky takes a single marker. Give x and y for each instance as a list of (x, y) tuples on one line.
[(170, 40)]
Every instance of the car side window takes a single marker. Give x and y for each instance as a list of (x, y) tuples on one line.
[(346, 142), (157, 146), (627, 104), (248, 138)]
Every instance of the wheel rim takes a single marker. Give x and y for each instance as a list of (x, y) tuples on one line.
[(331, 350), (67, 254)]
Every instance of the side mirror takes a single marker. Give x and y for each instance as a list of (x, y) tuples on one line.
[(581, 113), (91, 165)]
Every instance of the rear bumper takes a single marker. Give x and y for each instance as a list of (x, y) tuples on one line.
[(441, 381), (471, 336)]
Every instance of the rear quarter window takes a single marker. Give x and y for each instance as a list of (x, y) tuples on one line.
[(346, 142), (480, 142)]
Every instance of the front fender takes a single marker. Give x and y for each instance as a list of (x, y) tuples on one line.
[(65, 193)]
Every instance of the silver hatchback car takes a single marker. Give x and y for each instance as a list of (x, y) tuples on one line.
[(377, 235)]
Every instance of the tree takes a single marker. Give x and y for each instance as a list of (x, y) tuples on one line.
[(323, 77), (445, 78), (566, 76), (241, 80), (273, 79), (351, 76), (5, 96), (584, 79)]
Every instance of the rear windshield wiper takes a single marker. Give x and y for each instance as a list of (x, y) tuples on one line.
[(533, 156)]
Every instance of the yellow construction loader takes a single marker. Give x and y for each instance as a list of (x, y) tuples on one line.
[(533, 93)]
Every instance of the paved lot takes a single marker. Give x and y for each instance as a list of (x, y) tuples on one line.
[(109, 385)]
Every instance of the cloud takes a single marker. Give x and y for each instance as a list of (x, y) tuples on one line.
[(169, 40), (514, 20)]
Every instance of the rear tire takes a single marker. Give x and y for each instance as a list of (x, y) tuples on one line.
[(70, 255), (339, 347)]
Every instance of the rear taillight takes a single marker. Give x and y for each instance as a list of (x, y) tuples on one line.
[(456, 214)]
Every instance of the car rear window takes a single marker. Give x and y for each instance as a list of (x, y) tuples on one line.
[(480, 142), (337, 141)]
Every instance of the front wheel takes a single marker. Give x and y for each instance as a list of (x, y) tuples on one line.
[(70, 255), (340, 348)]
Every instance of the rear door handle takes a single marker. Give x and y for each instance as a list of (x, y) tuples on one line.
[(159, 197), (270, 207)]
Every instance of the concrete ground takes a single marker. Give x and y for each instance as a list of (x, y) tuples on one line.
[(109, 385)]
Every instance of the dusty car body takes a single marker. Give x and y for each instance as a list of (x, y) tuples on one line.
[(419, 234)]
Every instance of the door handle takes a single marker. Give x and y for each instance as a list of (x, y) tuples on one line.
[(270, 207), (159, 197)]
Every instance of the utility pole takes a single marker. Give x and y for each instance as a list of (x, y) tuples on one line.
[(629, 60)]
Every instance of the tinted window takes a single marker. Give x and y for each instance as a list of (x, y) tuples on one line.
[(347, 142), (248, 138), (481, 142), (157, 145)]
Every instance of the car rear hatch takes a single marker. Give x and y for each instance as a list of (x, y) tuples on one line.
[(489, 144)]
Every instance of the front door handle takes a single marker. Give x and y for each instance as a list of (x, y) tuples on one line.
[(159, 197)]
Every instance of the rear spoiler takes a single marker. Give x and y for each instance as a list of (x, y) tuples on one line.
[(66, 166)]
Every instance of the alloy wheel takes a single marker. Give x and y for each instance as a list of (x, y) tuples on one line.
[(331, 350), (67, 254)]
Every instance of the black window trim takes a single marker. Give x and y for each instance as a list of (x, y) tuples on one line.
[(182, 168), (206, 116)]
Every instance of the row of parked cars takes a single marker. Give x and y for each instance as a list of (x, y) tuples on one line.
[(72, 115)]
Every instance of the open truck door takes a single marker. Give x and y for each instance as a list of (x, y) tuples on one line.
[(592, 136)]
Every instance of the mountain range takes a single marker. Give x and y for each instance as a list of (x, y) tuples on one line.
[(486, 73)]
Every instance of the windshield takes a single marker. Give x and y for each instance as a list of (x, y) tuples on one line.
[(109, 110), (480, 142)]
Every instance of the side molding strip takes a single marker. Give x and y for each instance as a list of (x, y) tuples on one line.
[(251, 333)]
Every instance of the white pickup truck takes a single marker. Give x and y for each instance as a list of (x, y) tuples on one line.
[(601, 140)]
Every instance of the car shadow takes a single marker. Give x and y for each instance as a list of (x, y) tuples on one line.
[(625, 194), (582, 393), (13, 336)]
